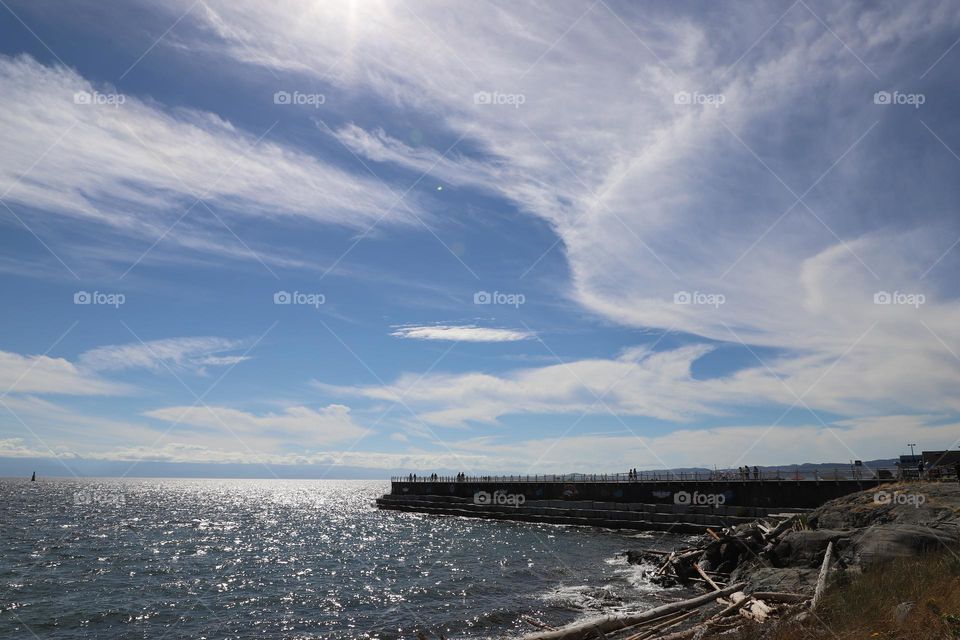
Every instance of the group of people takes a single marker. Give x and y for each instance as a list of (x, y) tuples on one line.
[(433, 477), (745, 473), (632, 474), (412, 477)]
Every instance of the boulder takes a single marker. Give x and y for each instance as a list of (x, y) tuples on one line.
[(885, 541), (805, 548)]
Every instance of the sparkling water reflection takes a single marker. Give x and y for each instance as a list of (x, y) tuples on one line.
[(287, 559)]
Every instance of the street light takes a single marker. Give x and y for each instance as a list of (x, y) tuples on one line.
[(911, 448)]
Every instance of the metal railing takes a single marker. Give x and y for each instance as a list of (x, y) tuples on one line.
[(813, 475)]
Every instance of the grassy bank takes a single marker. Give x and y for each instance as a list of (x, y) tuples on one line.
[(869, 605)]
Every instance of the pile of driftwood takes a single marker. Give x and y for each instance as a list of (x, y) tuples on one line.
[(711, 563), (708, 565)]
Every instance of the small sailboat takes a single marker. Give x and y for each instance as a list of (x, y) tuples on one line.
[(33, 478)]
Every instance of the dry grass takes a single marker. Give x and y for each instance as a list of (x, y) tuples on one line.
[(865, 607)]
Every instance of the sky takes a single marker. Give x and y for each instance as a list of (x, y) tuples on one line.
[(361, 238)]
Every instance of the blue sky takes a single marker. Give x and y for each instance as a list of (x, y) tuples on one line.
[(357, 238)]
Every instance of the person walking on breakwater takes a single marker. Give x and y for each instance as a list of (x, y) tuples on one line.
[(756, 473)]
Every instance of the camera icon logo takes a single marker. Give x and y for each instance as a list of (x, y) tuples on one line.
[(882, 97), (282, 297), (682, 297), (82, 297), (482, 297), (482, 497), (482, 97), (82, 97), (681, 497), (682, 97), (882, 297), (882, 497), (281, 97)]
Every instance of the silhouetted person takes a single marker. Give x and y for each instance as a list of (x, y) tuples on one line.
[(756, 473)]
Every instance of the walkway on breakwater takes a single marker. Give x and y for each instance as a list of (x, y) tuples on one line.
[(849, 472)]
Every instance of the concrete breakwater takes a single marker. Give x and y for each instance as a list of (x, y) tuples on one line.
[(767, 493), (611, 515), (681, 506)]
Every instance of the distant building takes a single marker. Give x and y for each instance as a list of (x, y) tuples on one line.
[(908, 466), (933, 459)]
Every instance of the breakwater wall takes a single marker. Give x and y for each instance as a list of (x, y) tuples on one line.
[(678, 506), (611, 515), (768, 494)]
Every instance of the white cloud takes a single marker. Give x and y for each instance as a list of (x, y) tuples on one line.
[(840, 442), (661, 385), (461, 333), (194, 353), (298, 425), (640, 382), (648, 197), (46, 375), (136, 167), (863, 439), (651, 197)]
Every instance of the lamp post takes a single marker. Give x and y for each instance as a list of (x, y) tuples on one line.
[(911, 448)]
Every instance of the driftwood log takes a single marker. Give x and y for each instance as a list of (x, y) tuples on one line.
[(822, 580), (706, 577), (593, 628), (780, 528)]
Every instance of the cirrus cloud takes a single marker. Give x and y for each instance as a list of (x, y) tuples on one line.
[(461, 333)]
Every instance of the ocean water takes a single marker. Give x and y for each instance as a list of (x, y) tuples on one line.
[(169, 558)]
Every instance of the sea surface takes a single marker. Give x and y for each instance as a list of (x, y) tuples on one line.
[(170, 558)]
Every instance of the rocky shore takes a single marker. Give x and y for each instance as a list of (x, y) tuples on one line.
[(773, 573)]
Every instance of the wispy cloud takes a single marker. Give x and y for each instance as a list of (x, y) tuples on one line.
[(655, 192), (152, 164), (45, 375), (461, 333), (296, 426), (867, 439), (192, 353)]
